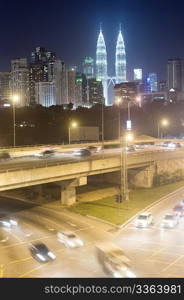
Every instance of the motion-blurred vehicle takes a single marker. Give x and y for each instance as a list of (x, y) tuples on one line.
[(130, 148), (93, 149), (7, 222), (140, 146), (170, 221), (173, 146), (114, 261), (4, 155), (69, 239), (179, 210), (82, 152), (144, 220), (45, 154), (41, 252)]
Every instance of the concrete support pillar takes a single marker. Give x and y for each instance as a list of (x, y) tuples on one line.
[(68, 189), (68, 194)]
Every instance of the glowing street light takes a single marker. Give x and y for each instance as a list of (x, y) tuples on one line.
[(73, 124), (15, 99), (129, 137), (162, 123)]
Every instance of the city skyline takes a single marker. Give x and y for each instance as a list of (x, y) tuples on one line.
[(147, 31)]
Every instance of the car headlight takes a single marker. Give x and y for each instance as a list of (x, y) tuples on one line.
[(51, 255), (71, 244), (6, 223), (13, 222), (41, 257), (130, 274), (117, 275), (80, 242)]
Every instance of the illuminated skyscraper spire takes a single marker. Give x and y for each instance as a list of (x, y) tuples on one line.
[(120, 64), (101, 63)]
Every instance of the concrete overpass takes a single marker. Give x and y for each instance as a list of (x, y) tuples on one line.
[(30, 150), (68, 174)]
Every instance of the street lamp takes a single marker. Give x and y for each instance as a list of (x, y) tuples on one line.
[(15, 98), (162, 123), (119, 102), (124, 194), (71, 125)]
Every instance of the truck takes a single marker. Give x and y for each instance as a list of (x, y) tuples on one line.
[(114, 261), (84, 134)]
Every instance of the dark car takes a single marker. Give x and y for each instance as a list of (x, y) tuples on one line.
[(4, 155), (41, 252), (179, 210), (82, 152), (93, 149), (45, 153)]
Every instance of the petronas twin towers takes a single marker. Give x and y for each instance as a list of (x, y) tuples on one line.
[(101, 62)]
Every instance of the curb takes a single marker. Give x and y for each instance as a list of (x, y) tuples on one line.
[(102, 221), (151, 205), (147, 207)]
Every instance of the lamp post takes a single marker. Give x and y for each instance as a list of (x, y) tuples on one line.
[(128, 137), (118, 102), (162, 123), (15, 98), (103, 125), (71, 125)]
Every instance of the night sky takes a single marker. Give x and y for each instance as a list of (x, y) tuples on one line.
[(153, 32)]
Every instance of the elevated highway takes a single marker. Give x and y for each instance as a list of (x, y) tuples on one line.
[(69, 171)]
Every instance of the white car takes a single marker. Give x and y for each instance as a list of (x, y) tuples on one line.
[(170, 221), (144, 220), (7, 222), (69, 239)]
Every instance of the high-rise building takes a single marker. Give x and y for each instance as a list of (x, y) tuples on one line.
[(45, 67), (78, 91), (5, 87), (88, 67), (95, 91), (101, 64), (153, 82), (127, 91), (41, 55), (120, 64), (162, 86), (20, 80), (175, 74), (137, 74), (68, 86), (45, 93)]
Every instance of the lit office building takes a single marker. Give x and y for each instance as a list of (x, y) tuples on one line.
[(88, 67), (20, 80), (153, 82), (137, 74)]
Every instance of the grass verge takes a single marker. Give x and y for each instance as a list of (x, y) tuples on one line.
[(118, 213)]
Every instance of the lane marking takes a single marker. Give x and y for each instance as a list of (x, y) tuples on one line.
[(19, 260), (173, 263), (32, 270)]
